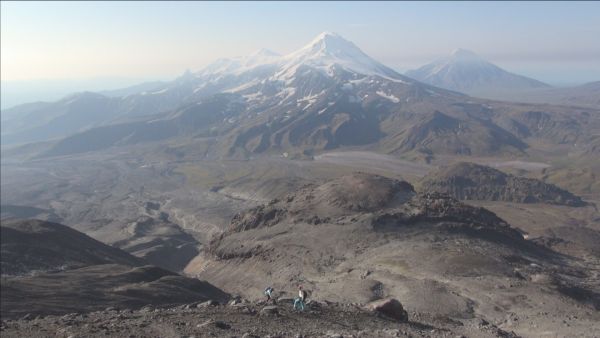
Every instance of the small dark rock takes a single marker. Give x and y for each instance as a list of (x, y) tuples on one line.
[(222, 325), (389, 307), (216, 323), (269, 311), (248, 311)]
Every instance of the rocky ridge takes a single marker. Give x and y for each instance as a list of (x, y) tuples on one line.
[(387, 201), (245, 319), (49, 268), (470, 181), (435, 254), (33, 246)]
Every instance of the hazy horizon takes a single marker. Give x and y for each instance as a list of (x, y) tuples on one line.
[(121, 44)]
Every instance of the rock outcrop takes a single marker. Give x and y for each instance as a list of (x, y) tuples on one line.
[(470, 181), (355, 193), (389, 202), (389, 307)]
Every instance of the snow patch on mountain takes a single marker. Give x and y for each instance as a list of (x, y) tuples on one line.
[(243, 86), (388, 96), (159, 91), (240, 65)]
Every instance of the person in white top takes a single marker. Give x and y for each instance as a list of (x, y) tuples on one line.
[(269, 293), (301, 300)]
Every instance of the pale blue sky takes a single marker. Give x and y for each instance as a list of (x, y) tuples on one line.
[(556, 42)]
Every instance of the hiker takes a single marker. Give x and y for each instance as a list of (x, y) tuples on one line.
[(301, 300), (269, 293)]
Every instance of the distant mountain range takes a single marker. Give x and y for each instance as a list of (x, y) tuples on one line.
[(328, 94), (466, 72)]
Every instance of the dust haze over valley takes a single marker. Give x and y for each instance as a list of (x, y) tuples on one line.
[(465, 192)]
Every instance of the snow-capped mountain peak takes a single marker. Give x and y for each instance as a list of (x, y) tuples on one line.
[(239, 65), (327, 54), (261, 57), (327, 43), (463, 54), (461, 58), (323, 53), (326, 35), (264, 52), (329, 49), (467, 72)]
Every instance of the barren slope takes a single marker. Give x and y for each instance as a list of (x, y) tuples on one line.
[(48, 268), (433, 253)]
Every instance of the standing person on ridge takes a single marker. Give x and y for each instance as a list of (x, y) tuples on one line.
[(301, 299), (269, 294)]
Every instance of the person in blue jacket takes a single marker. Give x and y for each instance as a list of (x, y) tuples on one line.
[(300, 301)]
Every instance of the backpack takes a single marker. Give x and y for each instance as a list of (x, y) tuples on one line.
[(304, 295)]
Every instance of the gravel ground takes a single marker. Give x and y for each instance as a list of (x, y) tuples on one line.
[(244, 320)]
